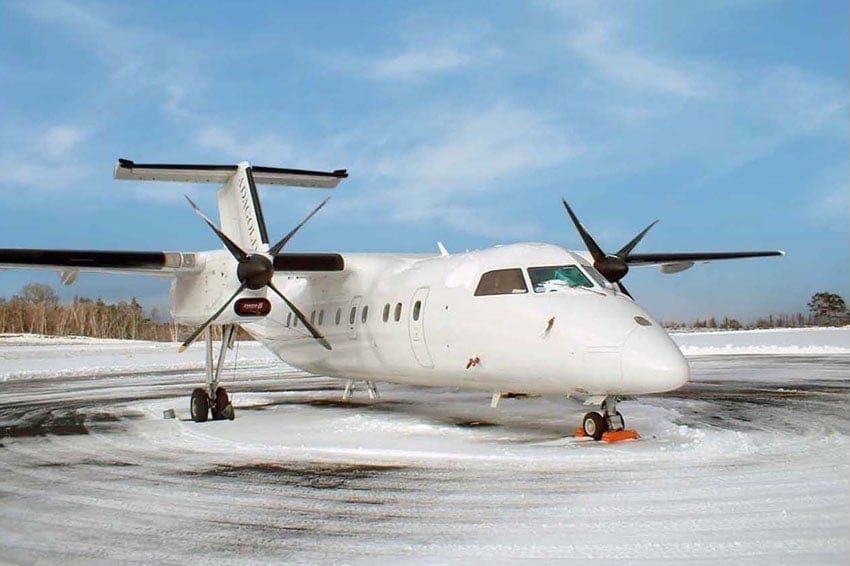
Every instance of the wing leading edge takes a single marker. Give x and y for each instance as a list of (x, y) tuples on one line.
[(680, 261), (141, 262), (162, 264)]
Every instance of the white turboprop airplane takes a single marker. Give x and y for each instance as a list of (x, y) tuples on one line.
[(525, 318)]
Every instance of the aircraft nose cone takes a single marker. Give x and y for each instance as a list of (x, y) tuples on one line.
[(652, 363)]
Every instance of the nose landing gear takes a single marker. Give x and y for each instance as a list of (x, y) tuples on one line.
[(609, 426)]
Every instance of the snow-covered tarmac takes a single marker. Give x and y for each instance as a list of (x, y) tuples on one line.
[(749, 463)]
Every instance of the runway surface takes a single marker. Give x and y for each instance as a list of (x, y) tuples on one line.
[(749, 463)]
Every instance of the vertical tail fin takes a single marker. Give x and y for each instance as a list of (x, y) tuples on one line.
[(240, 212)]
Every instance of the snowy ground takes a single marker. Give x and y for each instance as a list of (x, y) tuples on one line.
[(749, 463)]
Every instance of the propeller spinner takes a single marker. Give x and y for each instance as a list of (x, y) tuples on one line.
[(612, 266), (255, 271)]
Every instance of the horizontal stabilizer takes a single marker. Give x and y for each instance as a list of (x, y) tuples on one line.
[(181, 172)]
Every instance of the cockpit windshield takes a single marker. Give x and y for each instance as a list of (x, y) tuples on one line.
[(546, 279), (596, 276)]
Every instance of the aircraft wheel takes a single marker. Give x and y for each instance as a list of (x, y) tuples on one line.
[(593, 425), (199, 406), (222, 408)]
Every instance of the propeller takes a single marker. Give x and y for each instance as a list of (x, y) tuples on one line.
[(255, 270), (612, 266)]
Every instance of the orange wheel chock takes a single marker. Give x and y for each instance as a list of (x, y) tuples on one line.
[(611, 435)]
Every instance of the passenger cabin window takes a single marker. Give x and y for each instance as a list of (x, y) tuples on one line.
[(288, 319), (386, 316), (397, 314), (338, 316), (417, 308), (312, 317), (501, 282), (352, 315), (364, 314), (547, 279), (321, 316)]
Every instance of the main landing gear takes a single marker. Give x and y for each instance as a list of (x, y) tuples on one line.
[(214, 399), (608, 426)]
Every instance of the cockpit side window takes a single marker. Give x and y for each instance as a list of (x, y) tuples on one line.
[(501, 282), (596, 276), (544, 279)]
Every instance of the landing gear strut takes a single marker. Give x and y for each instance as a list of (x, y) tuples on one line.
[(349, 390), (609, 425), (214, 399)]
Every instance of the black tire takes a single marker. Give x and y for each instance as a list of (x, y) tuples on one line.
[(593, 425), (222, 407), (199, 405)]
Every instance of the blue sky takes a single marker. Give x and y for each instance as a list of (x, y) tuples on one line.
[(464, 123)]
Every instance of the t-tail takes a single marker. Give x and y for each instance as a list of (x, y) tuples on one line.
[(239, 208)]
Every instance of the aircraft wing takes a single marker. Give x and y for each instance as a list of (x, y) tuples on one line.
[(161, 264), (164, 264), (675, 262)]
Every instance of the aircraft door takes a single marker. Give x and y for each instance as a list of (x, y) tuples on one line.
[(353, 316), (416, 324)]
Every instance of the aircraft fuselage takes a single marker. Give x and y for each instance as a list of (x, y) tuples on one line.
[(416, 319)]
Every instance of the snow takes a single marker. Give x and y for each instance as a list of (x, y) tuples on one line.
[(747, 464), (774, 342)]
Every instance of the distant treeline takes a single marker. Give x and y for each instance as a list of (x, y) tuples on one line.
[(796, 320), (825, 309), (37, 310)]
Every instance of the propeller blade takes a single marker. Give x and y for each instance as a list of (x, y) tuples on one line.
[(624, 290), (209, 321), (627, 249), (316, 334), (591, 244), (237, 252), (279, 246)]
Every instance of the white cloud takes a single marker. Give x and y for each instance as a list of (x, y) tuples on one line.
[(59, 140), (596, 45), (42, 161), (138, 60), (830, 202), (258, 148), (444, 177), (719, 116), (416, 63)]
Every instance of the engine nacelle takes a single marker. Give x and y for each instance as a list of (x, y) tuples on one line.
[(194, 298)]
